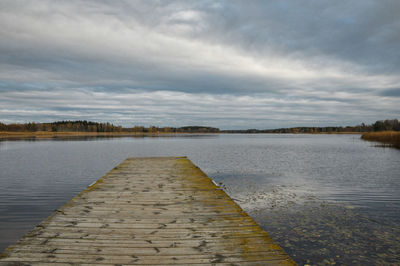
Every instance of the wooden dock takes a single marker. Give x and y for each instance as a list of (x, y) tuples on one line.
[(148, 211)]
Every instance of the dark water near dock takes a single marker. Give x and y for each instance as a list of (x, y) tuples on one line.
[(325, 199)]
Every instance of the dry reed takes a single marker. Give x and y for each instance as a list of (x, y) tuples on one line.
[(388, 138)]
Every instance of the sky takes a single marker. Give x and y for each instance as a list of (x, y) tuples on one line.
[(227, 64)]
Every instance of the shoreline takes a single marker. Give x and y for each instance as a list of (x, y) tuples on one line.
[(49, 135)]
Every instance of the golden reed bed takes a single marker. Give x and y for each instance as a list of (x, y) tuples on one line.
[(387, 138)]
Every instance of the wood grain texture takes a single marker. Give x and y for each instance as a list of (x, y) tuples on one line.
[(148, 211)]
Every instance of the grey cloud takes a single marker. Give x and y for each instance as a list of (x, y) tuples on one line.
[(361, 32), (391, 92), (177, 109), (275, 62)]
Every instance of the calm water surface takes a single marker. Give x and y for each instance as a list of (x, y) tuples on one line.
[(325, 198)]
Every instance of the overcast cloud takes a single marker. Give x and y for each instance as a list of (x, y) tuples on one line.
[(228, 64)]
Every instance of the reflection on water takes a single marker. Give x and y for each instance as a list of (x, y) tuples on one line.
[(325, 198)]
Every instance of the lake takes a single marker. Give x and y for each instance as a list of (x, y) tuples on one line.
[(324, 198)]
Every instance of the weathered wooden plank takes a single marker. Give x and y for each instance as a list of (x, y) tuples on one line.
[(138, 243), (150, 250), (148, 211), (151, 260), (152, 220), (138, 225), (151, 235)]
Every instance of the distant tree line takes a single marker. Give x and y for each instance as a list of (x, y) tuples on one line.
[(87, 126), (187, 129), (386, 125), (62, 126)]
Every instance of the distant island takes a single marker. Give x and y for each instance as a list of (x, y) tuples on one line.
[(385, 131)]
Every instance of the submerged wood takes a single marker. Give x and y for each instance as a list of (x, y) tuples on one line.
[(149, 211)]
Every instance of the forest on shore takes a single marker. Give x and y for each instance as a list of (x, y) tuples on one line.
[(381, 125), (88, 126)]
